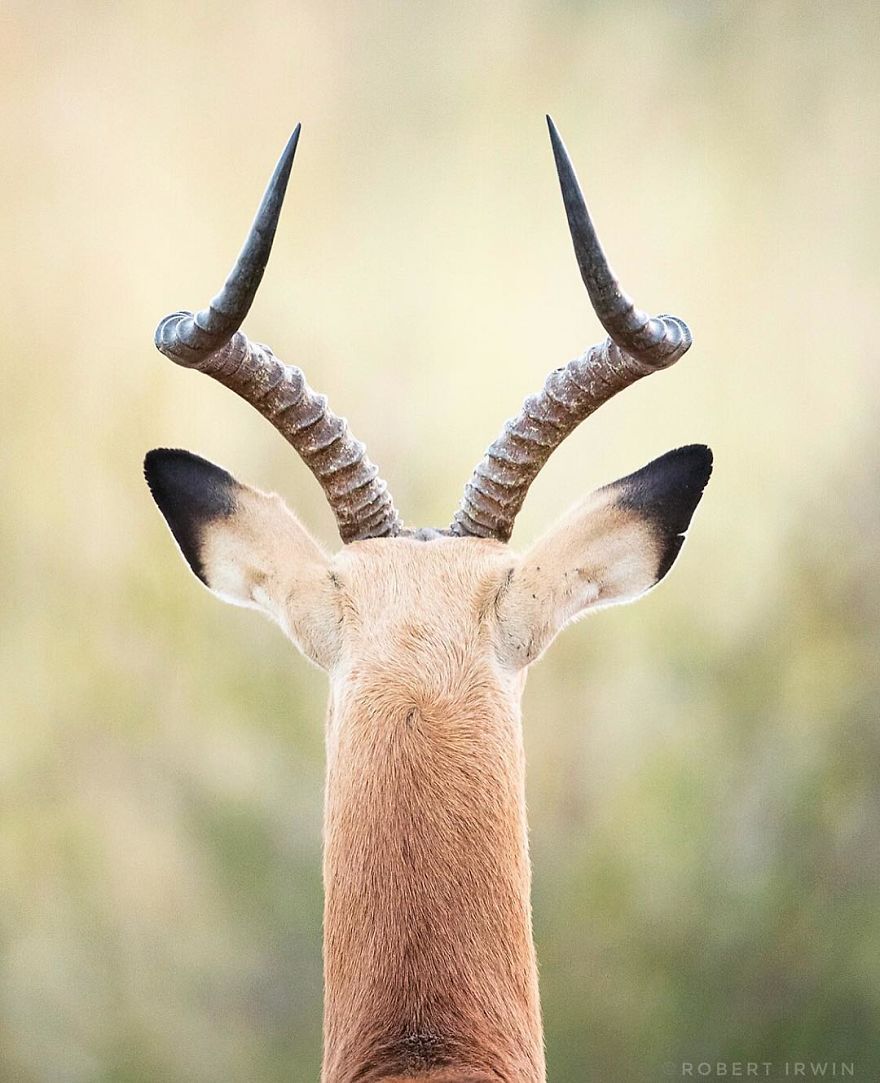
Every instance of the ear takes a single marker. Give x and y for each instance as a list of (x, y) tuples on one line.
[(248, 548), (612, 547)]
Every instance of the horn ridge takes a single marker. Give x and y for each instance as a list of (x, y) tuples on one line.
[(211, 342)]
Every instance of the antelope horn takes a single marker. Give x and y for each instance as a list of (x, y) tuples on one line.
[(637, 345), (211, 342)]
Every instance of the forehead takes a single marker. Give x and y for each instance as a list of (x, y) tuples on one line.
[(405, 565)]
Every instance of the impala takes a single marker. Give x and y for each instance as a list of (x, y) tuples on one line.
[(426, 635)]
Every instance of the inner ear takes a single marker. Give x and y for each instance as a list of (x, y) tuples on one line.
[(611, 548), (248, 548)]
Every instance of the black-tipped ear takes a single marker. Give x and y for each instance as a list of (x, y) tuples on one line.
[(191, 493), (665, 494)]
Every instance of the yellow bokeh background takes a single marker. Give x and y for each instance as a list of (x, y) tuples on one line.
[(704, 767)]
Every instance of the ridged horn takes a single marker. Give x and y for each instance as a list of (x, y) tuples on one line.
[(211, 342), (638, 344)]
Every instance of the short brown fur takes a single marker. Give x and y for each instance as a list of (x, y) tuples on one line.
[(428, 953)]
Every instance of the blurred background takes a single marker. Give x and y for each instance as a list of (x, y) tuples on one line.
[(704, 767)]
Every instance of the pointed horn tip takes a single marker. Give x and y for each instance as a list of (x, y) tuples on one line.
[(555, 137), (562, 159), (285, 162)]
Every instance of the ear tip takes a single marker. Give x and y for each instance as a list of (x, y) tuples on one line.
[(191, 493), (156, 462), (696, 460), (159, 457), (156, 470), (666, 493), (175, 471), (677, 479)]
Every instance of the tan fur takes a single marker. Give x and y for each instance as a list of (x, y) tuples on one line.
[(265, 559), (597, 555), (429, 958), (430, 969)]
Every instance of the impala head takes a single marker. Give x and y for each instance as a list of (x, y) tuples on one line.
[(427, 635), (419, 590)]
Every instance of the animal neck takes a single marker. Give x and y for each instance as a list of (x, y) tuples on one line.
[(428, 952)]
